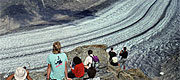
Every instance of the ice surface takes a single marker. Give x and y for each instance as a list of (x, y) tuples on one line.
[(126, 23)]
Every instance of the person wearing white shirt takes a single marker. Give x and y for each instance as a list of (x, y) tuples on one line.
[(88, 60)]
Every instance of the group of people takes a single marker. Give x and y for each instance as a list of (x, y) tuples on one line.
[(113, 59), (57, 65)]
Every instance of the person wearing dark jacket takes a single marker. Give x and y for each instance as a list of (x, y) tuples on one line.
[(124, 55), (111, 54), (112, 58)]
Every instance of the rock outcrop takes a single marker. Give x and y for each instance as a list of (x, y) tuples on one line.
[(105, 71), (82, 51), (171, 68)]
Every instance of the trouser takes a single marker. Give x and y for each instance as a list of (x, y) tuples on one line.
[(71, 75), (85, 69), (122, 61)]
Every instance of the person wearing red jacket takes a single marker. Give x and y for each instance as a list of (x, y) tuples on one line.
[(78, 70)]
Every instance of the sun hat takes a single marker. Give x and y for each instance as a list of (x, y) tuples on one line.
[(20, 73), (114, 59)]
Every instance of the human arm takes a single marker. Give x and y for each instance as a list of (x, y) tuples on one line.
[(66, 73), (48, 71), (121, 52), (10, 77), (75, 69), (70, 66), (88, 65), (28, 77), (109, 52), (127, 53), (88, 62)]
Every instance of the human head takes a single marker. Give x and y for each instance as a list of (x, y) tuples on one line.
[(91, 72), (77, 60), (124, 48), (56, 47), (20, 74), (111, 48), (90, 52)]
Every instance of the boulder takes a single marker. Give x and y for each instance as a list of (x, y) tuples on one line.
[(82, 52)]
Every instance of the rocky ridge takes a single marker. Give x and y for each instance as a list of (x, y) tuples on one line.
[(105, 71)]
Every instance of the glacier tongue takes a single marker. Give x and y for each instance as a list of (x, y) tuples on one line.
[(145, 27)]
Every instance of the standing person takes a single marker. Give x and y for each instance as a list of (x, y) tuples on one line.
[(88, 61), (111, 54), (57, 63), (20, 74), (78, 70), (124, 55)]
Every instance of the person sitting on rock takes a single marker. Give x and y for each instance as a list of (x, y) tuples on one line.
[(91, 74), (124, 55), (57, 63), (114, 61), (20, 74), (78, 70), (113, 58), (88, 60)]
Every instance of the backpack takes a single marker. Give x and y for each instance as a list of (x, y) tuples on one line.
[(95, 61)]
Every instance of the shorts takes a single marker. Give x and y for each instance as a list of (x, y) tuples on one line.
[(122, 61)]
